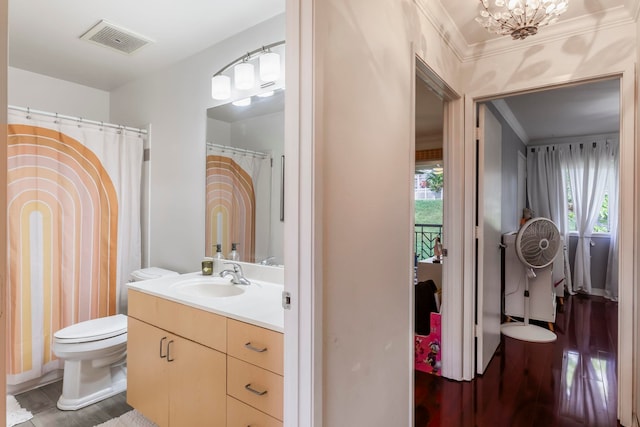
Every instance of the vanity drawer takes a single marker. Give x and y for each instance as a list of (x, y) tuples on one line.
[(242, 415), (197, 325), (258, 346), (255, 386)]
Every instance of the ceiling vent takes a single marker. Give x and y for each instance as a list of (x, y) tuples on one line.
[(117, 38)]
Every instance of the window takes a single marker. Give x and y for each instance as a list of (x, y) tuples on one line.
[(602, 223)]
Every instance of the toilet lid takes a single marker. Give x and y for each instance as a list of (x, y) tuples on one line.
[(93, 330)]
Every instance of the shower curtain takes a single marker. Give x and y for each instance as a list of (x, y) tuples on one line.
[(73, 233), (232, 181)]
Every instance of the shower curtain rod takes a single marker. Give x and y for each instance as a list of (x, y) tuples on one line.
[(76, 119), (235, 150)]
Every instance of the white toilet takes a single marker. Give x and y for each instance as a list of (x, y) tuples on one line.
[(94, 354)]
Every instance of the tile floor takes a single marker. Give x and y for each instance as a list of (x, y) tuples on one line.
[(42, 404)]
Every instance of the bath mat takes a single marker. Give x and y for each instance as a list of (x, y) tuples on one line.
[(129, 419), (15, 413)]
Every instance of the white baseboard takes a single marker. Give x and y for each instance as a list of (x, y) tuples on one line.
[(48, 378)]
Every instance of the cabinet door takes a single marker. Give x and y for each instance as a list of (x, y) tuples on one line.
[(147, 380), (197, 383)]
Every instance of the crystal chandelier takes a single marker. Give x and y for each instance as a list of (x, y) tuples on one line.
[(519, 18)]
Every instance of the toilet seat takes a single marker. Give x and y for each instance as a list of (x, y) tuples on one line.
[(93, 330)]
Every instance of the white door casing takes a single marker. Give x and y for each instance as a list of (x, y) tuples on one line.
[(489, 186)]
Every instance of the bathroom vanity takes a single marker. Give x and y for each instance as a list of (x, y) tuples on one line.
[(200, 353)]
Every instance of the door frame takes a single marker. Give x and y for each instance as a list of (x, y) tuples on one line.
[(451, 343), (628, 239)]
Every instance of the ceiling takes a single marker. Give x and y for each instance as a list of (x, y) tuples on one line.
[(48, 42), (587, 109), (44, 35)]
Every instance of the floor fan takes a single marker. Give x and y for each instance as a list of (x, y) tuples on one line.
[(537, 245)]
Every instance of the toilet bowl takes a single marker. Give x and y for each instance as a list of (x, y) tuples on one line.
[(94, 354)]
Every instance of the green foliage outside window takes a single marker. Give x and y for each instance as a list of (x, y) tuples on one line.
[(602, 223)]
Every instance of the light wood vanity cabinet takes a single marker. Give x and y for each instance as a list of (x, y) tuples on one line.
[(179, 375), (174, 381), (170, 379)]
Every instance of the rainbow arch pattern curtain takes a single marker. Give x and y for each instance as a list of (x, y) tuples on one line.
[(231, 207), (69, 203)]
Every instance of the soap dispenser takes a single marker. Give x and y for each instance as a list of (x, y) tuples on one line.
[(218, 254), (234, 255)]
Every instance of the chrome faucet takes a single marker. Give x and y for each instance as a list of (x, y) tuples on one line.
[(237, 276), (268, 260)]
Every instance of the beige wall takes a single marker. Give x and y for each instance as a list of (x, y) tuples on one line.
[(364, 169), (3, 194)]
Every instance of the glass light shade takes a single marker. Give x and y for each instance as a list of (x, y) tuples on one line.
[(269, 67), (242, 102), (243, 76), (266, 94), (220, 87)]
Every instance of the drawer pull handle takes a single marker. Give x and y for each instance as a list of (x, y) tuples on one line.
[(162, 356), (256, 349), (254, 391), (169, 359)]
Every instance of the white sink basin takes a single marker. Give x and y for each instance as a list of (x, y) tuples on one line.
[(207, 287)]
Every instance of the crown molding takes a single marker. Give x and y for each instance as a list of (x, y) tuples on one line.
[(586, 24), (436, 14), (634, 7), (503, 108)]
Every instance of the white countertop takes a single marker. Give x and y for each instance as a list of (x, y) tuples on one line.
[(260, 304)]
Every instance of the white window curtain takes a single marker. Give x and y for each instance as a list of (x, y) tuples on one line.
[(547, 197), (592, 168), (588, 165), (611, 282)]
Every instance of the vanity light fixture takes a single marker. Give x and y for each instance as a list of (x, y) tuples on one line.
[(243, 75), (242, 102), (244, 72)]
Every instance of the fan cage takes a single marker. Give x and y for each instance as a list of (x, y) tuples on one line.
[(538, 243)]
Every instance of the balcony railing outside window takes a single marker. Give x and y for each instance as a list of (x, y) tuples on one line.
[(425, 239)]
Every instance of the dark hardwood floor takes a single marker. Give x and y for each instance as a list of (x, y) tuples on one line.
[(571, 382)]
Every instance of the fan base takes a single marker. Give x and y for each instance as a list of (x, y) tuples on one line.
[(531, 333)]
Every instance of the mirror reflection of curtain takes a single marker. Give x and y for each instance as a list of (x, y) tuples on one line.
[(231, 202), (586, 371), (73, 235)]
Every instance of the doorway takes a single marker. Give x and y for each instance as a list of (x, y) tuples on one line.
[(580, 116), (436, 156)]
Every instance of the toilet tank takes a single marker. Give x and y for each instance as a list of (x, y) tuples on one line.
[(150, 273)]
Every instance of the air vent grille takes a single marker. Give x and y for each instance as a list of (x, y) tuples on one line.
[(114, 37)]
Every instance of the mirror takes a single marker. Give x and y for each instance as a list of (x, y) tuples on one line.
[(245, 157)]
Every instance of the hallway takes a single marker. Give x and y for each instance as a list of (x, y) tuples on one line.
[(571, 382)]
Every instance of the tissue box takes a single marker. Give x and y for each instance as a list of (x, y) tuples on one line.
[(427, 348)]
